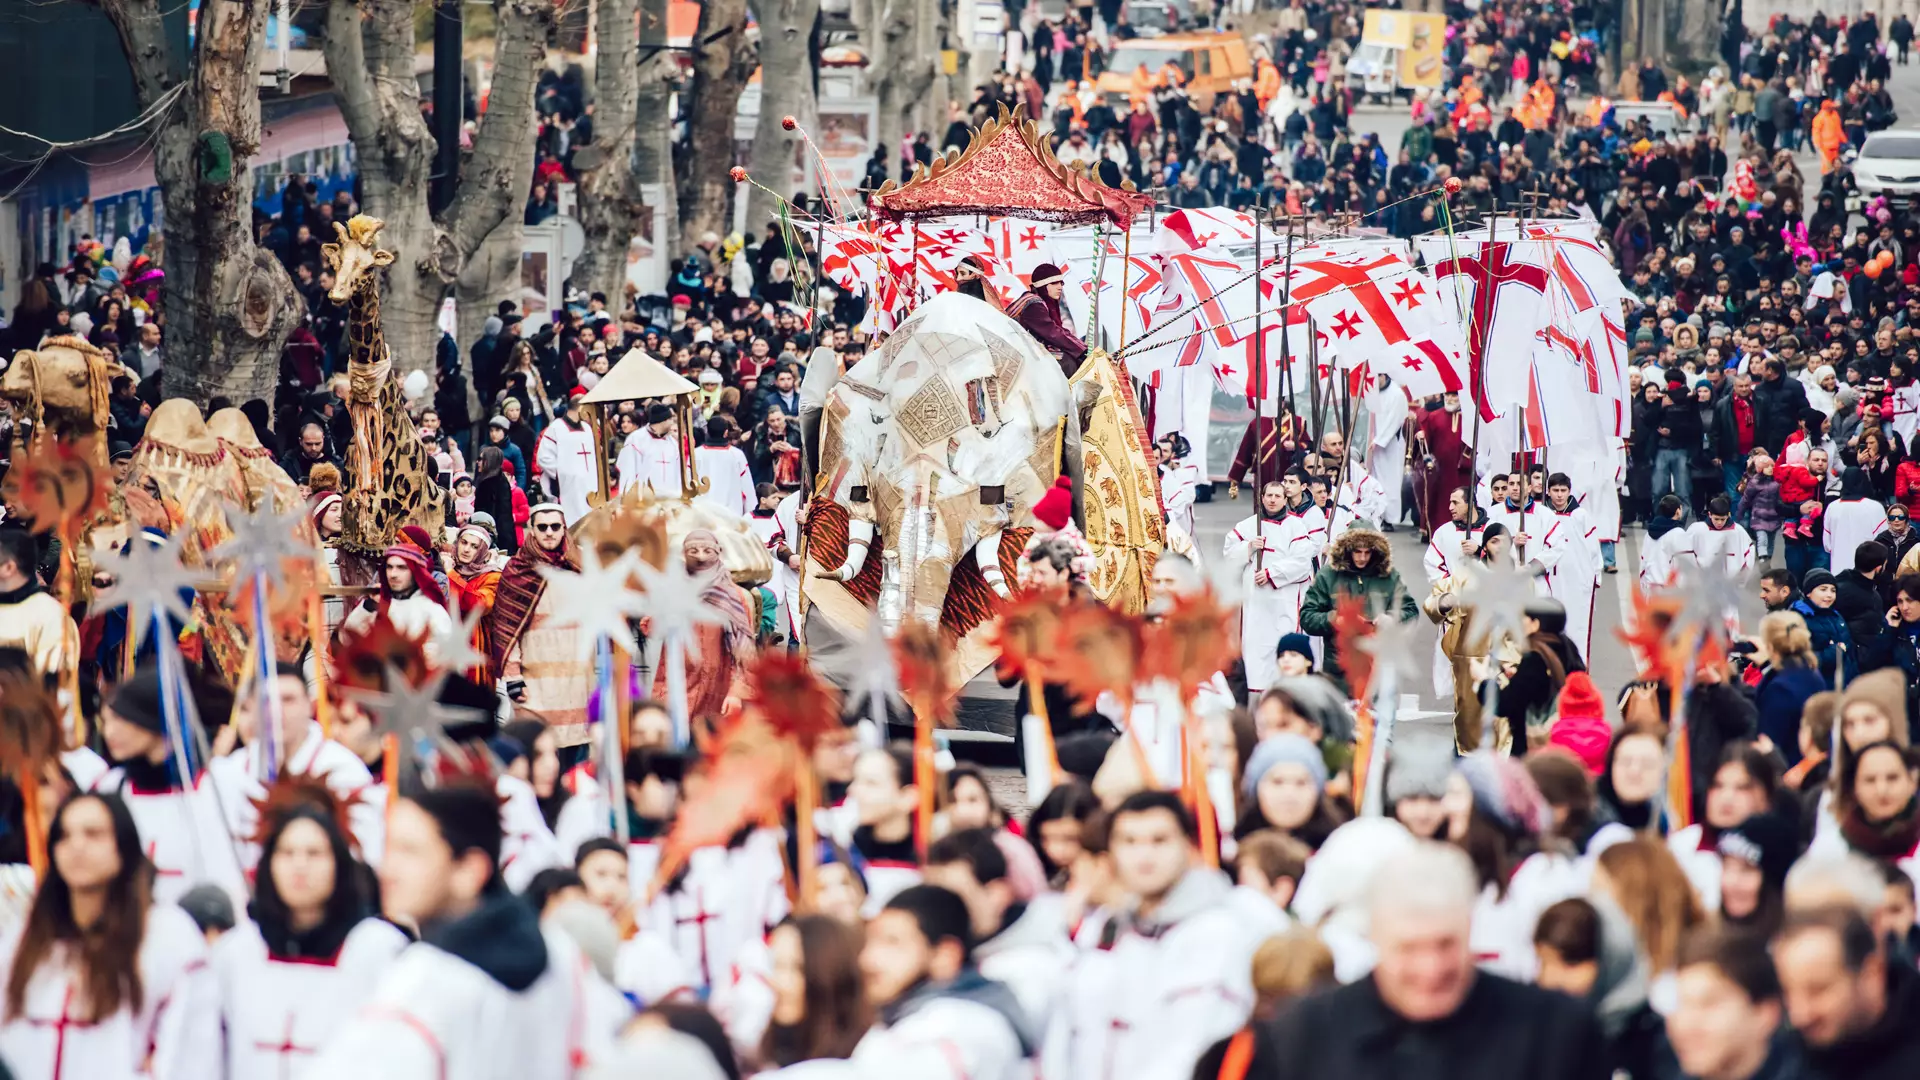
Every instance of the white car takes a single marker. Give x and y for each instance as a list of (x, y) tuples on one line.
[(1889, 164)]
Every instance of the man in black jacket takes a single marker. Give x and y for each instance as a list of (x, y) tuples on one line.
[(1677, 426), (1781, 401), (1426, 1009), (1861, 602), (1858, 1014)]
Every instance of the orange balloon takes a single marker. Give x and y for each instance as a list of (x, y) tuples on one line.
[(1873, 269)]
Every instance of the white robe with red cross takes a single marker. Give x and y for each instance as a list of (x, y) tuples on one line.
[(187, 834), (344, 774), (173, 1035), (277, 1012), (726, 899)]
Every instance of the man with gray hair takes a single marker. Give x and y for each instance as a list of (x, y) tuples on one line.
[(1425, 1001)]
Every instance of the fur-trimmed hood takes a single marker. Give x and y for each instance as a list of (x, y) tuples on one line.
[(1341, 557)]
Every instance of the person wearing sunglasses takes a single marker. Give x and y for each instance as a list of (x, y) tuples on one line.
[(1900, 539), (530, 642)]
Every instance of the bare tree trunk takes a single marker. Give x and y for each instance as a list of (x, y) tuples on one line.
[(609, 190), (228, 304), (786, 89), (722, 61), (476, 242), (905, 71)]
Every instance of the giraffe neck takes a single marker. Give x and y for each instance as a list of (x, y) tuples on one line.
[(365, 343)]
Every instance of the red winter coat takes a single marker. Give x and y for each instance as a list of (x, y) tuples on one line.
[(1906, 486), (1797, 485)]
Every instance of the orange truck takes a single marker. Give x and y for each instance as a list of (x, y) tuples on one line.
[(1207, 64)]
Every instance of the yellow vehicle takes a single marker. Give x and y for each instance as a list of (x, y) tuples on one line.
[(1209, 64)]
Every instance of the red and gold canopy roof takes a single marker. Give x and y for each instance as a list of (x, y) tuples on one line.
[(1009, 169)]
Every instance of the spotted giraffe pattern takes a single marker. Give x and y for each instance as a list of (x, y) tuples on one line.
[(391, 480)]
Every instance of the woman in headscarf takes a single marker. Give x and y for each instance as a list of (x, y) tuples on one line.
[(327, 523), (717, 652), (473, 580)]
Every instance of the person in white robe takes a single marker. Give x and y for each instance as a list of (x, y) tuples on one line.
[(1850, 520), (52, 1030), (413, 599), (1387, 409), (1449, 550), (1277, 546), (1668, 547), (1525, 517), (487, 993), (783, 542), (1597, 474), (309, 954), (570, 460), (724, 467), (302, 749), (184, 828), (726, 899), (1179, 481), (651, 455), (1571, 555), (1178, 976), (645, 964), (1721, 543)]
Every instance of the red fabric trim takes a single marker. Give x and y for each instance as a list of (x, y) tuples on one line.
[(418, 1027)]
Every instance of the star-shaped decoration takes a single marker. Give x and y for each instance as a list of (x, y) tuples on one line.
[(599, 596), (1392, 646), (872, 681), (453, 650), (263, 540), (1707, 595), (673, 603), (1496, 599), (414, 714), (148, 578)]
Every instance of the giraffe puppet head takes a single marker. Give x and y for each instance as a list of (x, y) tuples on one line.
[(355, 256)]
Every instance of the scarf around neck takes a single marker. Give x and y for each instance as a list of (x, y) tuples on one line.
[(519, 593)]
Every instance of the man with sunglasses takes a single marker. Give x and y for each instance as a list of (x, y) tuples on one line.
[(1900, 539), (530, 641)]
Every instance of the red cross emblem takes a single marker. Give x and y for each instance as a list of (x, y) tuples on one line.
[(1031, 238), (1410, 362), (939, 251), (951, 236), (1347, 324), (1409, 291), (1488, 270), (284, 1049), (1209, 238)]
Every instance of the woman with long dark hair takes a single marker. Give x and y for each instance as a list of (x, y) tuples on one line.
[(820, 1007), (102, 983), (311, 949), (493, 495), (1497, 815)]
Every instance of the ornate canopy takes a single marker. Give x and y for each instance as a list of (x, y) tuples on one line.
[(1009, 169)]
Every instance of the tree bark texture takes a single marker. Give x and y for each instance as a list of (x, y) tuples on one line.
[(906, 70), (228, 305), (608, 189), (786, 89), (723, 59), (475, 243)]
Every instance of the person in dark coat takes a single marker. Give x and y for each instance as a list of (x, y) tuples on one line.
[(1718, 712), (1425, 1009), (1858, 1015), (1860, 602), (1039, 312), (1549, 658), (1779, 401)]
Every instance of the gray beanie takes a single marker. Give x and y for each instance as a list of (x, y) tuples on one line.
[(1317, 699), (1282, 749), (1415, 775)]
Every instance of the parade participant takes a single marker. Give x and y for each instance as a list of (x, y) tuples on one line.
[(182, 826), (1387, 411), (650, 456), (102, 980), (1854, 517), (1180, 481), (1743, 783), (529, 640), (971, 278), (1450, 548), (885, 800), (1361, 500), (1425, 998), (1499, 818), (1359, 566), (569, 459), (1055, 826), (411, 599), (1462, 648), (486, 993), (937, 1016), (645, 966), (1278, 546), (1668, 545), (1178, 975), (1443, 461), (303, 750), (473, 579), (725, 468), (1022, 945), (1038, 311), (310, 952), (715, 656), (1719, 542), (1572, 558), (1280, 439), (30, 617), (820, 1009)]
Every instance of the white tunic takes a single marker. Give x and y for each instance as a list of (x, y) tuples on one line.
[(729, 479), (278, 1012), (1847, 524), (1661, 559), (1362, 501), (1730, 549), (948, 1038), (1277, 589), (726, 899), (1571, 554), (435, 1016), (345, 775), (786, 582), (527, 845), (1502, 933), (1387, 456), (175, 1034), (645, 458), (185, 833), (569, 460), (1179, 486)]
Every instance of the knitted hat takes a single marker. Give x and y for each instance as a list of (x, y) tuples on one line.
[(1766, 841), (483, 520), (659, 414), (1581, 728), (1045, 274), (1505, 792), (1296, 642), (1416, 776), (321, 505), (137, 701), (499, 422), (1055, 508), (417, 536), (1282, 749), (1815, 578)]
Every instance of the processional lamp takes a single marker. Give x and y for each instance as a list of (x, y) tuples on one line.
[(635, 377)]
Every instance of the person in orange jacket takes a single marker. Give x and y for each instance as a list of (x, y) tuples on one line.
[(1828, 135), (1268, 85)]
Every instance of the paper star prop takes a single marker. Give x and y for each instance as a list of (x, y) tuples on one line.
[(1707, 595), (148, 578), (412, 713), (600, 596), (673, 604), (1193, 641), (872, 681), (263, 541), (1393, 649), (1496, 598), (454, 647)]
